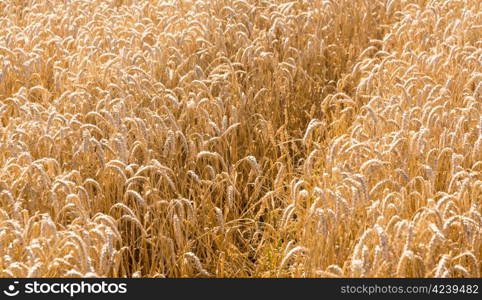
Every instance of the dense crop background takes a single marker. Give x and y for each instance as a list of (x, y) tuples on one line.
[(217, 138)]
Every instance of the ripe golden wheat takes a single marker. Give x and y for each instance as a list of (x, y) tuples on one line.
[(239, 138)]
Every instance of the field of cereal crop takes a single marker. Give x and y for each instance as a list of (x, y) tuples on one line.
[(241, 138)]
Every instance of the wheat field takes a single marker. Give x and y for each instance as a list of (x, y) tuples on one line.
[(241, 138)]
